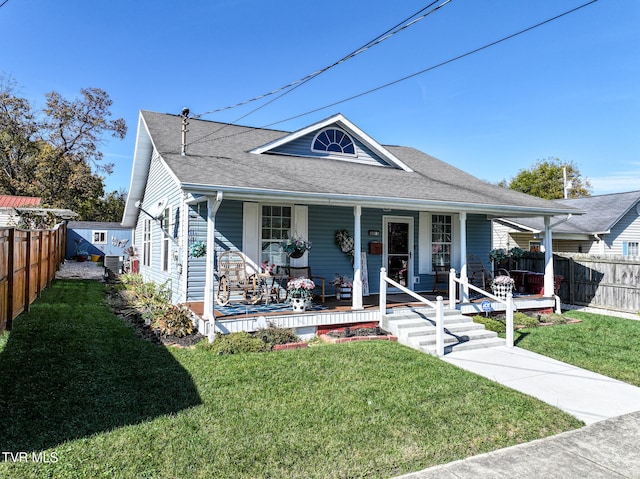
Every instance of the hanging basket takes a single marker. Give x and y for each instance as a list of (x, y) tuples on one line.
[(297, 253)]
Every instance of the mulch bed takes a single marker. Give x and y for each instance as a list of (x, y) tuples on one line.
[(119, 306), (345, 335)]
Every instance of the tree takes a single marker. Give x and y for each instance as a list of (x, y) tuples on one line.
[(108, 208), (54, 154), (545, 179)]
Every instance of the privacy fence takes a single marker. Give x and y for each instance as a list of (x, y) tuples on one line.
[(28, 263), (610, 282)]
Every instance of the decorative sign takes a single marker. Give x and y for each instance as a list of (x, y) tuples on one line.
[(486, 306)]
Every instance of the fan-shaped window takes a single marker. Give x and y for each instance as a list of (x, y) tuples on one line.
[(333, 140)]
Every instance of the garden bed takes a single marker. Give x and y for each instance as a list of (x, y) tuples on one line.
[(348, 334)]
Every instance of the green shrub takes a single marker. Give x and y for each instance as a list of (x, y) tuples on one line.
[(276, 335), (490, 324), (524, 320), (235, 343)]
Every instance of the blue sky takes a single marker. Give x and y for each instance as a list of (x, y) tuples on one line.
[(569, 89)]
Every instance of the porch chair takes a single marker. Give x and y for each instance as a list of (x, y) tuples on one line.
[(478, 275), (303, 272), (233, 276)]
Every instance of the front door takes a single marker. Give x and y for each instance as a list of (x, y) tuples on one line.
[(398, 241)]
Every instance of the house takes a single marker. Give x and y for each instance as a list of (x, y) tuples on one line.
[(97, 238), (609, 226), (245, 189)]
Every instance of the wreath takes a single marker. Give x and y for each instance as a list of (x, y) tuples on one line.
[(345, 242)]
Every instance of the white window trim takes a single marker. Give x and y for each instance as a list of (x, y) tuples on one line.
[(425, 264), (165, 240), (337, 153), (101, 233), (147, 239)]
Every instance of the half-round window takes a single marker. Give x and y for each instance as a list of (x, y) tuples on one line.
[(333, 140)]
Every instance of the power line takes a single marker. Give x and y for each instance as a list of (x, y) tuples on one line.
[(446, 62), (379, 39), (3, 3), (298, 83)]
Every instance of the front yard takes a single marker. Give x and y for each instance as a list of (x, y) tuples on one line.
[(76, 383)]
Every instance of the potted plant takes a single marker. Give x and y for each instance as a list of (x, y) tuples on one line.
[(81, 251), (198, 249), (502, 285), (295, 246), (343, 286), (300, 291)]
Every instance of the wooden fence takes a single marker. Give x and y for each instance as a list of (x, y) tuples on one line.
[(28, 263), (609, 282)]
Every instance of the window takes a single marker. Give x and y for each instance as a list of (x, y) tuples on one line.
[(535, 246), (165, 221), (276, 226), (631, 248), (99, 237), (441, 239), (146, 243), (333, 140)]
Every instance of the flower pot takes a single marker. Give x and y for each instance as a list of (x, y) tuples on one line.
[(343, 292), (501, 290), (296, 253), (81, 258), (299, 305), (95, 258)]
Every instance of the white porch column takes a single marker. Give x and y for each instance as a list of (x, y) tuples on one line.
[(357, 259), (212, 208), (464, 294), (548, 258)]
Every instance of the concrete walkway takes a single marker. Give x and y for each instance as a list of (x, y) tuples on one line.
[(589, 396), (608, 447)]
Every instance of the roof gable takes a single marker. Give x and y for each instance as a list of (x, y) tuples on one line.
[(305, 141), (602, 213)]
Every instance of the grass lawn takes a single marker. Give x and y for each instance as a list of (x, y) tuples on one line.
[(77, 384), (604, 344)]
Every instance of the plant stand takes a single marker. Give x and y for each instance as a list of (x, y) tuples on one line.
[(501, 290), (299, 305)]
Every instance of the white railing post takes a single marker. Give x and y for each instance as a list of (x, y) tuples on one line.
[(452, 288), (439, 326), (509, 339), (383, 292)]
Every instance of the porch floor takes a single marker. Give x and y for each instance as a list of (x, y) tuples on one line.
[(332, 305)]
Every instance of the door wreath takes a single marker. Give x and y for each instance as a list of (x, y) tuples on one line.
[(345, 242)]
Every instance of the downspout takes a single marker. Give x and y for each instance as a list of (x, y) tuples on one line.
[(209, 313)]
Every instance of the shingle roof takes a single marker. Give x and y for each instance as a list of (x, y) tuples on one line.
[(218, 157), (602, 213)]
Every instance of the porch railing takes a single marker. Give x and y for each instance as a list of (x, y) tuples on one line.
[(510, 306), (438, 306)]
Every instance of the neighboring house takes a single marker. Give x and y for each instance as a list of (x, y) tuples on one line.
[(610, 226), (242, 188), (97, 238), (9, 216)]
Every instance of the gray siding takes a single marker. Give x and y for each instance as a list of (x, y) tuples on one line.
[(160, 185), (627, 229)]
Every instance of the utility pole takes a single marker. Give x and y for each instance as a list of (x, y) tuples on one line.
[(185, 123), (566, 185)]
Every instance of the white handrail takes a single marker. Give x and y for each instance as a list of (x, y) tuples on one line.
[(438, 305), (510, 306)]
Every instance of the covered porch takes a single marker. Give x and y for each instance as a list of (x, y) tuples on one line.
[(333, 312)]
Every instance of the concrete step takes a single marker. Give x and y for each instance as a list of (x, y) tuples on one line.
[(416, 329)]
